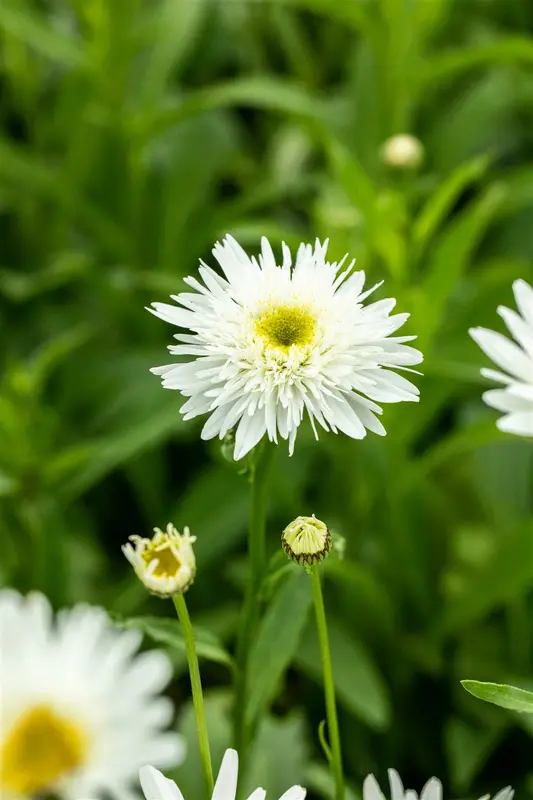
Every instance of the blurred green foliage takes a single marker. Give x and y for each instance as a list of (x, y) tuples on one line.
[(134, 134)]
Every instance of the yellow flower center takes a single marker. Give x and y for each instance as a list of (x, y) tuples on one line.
[(284, 326), (167, 563), (41, 749)]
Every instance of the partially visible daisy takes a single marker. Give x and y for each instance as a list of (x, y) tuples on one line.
[(267, 344), (156, 787), (165, 563), (431, 791), (516, 361), (81, 711)]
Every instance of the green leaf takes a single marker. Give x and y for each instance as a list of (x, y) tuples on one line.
[(27, 26), (269, 94), (501, 694), (277, 641), (441, 202), (451, 258), (359, 686), (168, 632), (513, 50)]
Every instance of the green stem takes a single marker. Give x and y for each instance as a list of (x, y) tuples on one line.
[(252, 601), (196, 685), (329, 687)]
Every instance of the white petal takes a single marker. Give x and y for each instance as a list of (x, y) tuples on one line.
[(156, 787), (520, 423), (226, 783), (504, 353), (503, 400), (258, 794), (521, 331), (524, 299), (504, 794), (371, 790), (432, 790), (250, 430), (396, 785), (294, 793)]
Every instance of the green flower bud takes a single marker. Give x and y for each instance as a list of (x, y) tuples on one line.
[(307, 540)]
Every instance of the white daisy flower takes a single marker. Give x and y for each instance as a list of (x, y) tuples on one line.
[(431, 791), (80, 710), (156, 787), (165, 563), (268, 343), (516, 361)]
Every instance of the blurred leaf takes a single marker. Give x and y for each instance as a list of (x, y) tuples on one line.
[(168, 632), (24, 23), (469, 749), (279, 755), (451, 258), (359, 686), (509, 697), (259, 92), (511, 50), (277, 641), (507, 574), (441, 202)]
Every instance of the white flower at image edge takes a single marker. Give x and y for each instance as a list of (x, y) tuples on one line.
[(268, 344), (516, 361), (431, 791), (156, 787), (81, 711)]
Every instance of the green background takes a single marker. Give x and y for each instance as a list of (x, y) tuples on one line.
[(135, 134)]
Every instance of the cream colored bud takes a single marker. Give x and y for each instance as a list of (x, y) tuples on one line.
[(165, 563), (403, 151), (307, 540)]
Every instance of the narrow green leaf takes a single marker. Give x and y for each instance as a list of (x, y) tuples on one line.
[(277, 641), (501, 695), (441, 202), (168, 632), (28, 26), (512, 50), (267, 94)]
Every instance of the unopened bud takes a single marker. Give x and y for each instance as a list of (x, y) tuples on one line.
[(402, 151), (307, 540), (165, 563)]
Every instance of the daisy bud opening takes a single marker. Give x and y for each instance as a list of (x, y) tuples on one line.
[(165, 563), (307, 540), (402, 151)]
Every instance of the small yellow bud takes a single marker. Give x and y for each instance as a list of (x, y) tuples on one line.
[(307, 540), (165, 563), (403, 151)]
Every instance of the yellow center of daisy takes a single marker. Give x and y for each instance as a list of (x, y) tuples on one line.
[(285, 326), (41, 749), (167, 563)]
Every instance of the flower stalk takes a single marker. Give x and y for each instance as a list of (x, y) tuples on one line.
[(329, 687), (196, 686), (259, 474)]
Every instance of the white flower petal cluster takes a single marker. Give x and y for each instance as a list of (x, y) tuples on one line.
[(431, 791), (516, 361), (156, 787), (268, 344), (165, 563), (81, 711)]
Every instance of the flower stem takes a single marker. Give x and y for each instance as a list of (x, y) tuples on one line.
[(329, 687), (196, 685), (250, 615)]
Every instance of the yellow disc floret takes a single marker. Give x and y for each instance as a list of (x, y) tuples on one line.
[(42, 748), (285, 326)]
